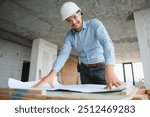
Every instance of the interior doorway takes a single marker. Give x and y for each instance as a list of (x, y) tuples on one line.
[(128, 72), (25, 71)]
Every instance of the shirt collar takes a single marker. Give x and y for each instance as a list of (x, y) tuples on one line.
[(84, 25)]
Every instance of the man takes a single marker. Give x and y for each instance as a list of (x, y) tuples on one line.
[(91, 40)]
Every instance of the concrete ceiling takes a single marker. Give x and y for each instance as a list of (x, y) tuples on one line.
[(21, 21)]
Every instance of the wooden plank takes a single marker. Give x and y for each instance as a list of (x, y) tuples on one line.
[(141, 91), (41, 92), (4, 97), (129, 91), (15, 95), (10, 94), (64, 95), (141, 95), (149, 97), (25, 97), (148, 91)]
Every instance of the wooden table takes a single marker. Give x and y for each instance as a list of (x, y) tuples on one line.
[(23, 94)]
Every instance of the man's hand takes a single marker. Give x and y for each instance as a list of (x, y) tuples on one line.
[(47, 79), (111, 77)]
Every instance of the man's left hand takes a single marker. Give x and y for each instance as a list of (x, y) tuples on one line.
[(111, 77)]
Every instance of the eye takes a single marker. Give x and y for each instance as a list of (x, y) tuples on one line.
[(68, 20), (75, 16)]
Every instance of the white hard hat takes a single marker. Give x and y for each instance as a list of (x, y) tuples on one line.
[(68, 9)]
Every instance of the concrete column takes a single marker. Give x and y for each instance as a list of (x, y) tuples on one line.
[(43, 56), (142, 23)]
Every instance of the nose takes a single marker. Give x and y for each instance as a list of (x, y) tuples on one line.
[(73, 21)]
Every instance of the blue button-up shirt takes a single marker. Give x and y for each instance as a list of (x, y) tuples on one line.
[(92, 43)]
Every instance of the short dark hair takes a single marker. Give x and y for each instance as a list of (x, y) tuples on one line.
[(79, 11)]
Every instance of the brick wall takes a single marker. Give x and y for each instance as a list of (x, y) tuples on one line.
[(12, 56)]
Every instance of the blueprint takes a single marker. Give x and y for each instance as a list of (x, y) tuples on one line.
[(86, 88)]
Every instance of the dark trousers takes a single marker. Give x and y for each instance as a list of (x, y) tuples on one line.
[(92, 75)]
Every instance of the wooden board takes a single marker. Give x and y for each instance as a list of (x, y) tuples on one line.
[(41, 92), (14, 94), (148, 91)]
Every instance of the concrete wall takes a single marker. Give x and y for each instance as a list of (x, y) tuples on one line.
[(12, 56), (142, 21)]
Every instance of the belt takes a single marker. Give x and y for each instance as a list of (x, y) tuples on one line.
[(93, 65)]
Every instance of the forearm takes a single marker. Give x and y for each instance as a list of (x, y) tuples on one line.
[(109, 53), (109, 69), (52, 73)]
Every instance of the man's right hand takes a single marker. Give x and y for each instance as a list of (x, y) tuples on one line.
[(47, 79)]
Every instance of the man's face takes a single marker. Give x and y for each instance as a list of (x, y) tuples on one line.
[(75, 21)]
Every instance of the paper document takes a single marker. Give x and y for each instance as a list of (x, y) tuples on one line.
[(87, 88)]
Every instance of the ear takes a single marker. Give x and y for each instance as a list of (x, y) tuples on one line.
[(81, 14)]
